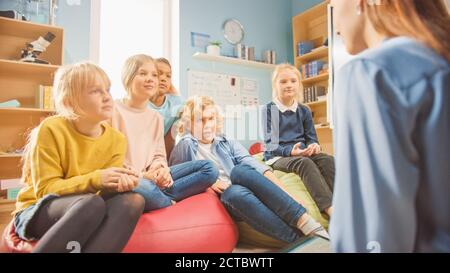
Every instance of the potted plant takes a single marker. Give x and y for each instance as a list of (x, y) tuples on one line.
[(213, 48)]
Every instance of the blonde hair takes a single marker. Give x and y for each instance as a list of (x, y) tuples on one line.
[(67, 85), (276, 73), (131, 67), (69, 81), (194, 107)]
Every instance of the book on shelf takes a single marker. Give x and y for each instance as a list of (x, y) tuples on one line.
[(314, 93), (304, 47), (44, 98), (312, 69), (10, 184)]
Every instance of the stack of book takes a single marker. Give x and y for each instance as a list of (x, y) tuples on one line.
[(245, 52), (311, 69), (44, 98), (314, 93), (304, 47)]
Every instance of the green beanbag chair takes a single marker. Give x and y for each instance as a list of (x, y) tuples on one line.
[(295, 187)]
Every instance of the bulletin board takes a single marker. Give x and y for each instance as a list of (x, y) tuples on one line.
[(226, 90)]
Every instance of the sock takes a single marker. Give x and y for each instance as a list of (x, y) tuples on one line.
[(312, 227)]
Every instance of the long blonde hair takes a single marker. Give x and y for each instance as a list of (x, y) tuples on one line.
[(427, 21), (193, 108), (67, 85)]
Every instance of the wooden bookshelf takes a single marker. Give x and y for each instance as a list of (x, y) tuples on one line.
[(318, 53), (26, 111), (6, 207), (20, 81), (312, 25), (314, 103), (316, 79)]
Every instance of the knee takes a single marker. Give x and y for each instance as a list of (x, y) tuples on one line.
[(132, 204), (233, 193), (329, 160), (304, 163), (240, 172), (93, 206), (210, 171)]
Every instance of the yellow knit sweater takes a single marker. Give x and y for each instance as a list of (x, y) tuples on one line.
[(65, 162)]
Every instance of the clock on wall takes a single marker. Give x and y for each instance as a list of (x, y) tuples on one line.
[(233, 31)]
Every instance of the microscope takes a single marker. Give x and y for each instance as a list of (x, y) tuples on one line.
[(34, 49)]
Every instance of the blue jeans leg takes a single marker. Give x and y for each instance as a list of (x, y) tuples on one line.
[(154, 197), (242, 204), (191, 178), (270, 194)]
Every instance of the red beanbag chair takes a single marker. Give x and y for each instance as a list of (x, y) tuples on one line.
[(197, 224)]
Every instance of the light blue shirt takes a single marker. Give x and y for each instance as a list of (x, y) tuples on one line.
[(392, 148), (229, 152), (168, 110)]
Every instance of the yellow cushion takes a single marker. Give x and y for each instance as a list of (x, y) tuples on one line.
[(296, 188)]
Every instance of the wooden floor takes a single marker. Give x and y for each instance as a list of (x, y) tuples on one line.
[(244, 248)]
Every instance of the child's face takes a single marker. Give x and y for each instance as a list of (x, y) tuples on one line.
[(165, 77), (287, 84), (96, 102), (145, 83), (204, 127)]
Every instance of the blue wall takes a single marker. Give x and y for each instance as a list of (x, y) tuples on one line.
[(75, 19), (299, 6), (267, 25)]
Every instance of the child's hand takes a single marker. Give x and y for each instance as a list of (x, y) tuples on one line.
[(127, 183), (296, 150), (220, 186), (131, 168), (315, 148), (111, 178), (163, 178)]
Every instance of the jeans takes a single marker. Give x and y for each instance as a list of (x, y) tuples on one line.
[(189, 178), (263, 205), (316, 172)]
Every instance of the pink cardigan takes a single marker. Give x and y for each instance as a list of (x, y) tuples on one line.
[(144, 130)]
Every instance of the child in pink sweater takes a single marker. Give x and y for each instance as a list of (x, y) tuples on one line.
[(159, 184)]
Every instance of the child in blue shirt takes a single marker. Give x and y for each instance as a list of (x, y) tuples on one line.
[(291, 140), (166, 101)]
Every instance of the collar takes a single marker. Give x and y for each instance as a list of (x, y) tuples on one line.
[(283, 108), (217, 139)]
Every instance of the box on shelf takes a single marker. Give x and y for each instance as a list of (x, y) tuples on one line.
[(10, 184), (12, 193)]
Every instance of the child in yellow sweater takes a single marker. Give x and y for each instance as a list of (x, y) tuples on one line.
[(76, 192)]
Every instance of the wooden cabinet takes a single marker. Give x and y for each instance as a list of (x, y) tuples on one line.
[(20, 81), (312, 25)]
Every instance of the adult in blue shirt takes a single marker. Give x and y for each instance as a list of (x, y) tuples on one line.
[(392, 131)]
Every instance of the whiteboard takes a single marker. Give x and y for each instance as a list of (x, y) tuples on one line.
[(227, 91)]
